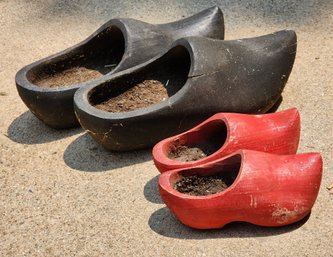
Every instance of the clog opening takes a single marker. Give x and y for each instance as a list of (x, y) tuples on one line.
[(208, 180), (199, 143), (91, 60), (149, 85)]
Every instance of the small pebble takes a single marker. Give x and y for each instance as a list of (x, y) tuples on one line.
[(330, 186)]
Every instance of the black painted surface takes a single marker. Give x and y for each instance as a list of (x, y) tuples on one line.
[(143, 41), (245, 76)]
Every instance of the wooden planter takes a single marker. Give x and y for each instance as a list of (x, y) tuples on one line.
[(116, 46), (277, 133), (209, 76), (269, 190)]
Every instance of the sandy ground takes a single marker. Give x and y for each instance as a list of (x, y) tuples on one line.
[(63, 195)]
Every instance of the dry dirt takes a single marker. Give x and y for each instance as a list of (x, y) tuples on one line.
[(68, 77), (141, 95), (196, 185)]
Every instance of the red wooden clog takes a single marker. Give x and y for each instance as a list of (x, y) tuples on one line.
[(269, 190), (225, 133)]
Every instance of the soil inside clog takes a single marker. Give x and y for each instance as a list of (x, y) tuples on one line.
[(141, 95), (92, 60), (199, 144), (152, 84), (201, 181), (185, 153), (68, 77), (196, 185)]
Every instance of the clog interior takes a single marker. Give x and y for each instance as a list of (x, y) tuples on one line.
[(86, 62), (149, 85), (209, 179), (199, 143)]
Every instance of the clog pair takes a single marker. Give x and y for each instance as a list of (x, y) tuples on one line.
[(267, 184), (48, 86), (200, 73)]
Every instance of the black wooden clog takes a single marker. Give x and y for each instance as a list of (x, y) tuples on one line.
[(47, 86), (201, 76)]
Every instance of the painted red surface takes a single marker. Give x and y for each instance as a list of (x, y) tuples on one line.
[(277, 133), (270, 190)]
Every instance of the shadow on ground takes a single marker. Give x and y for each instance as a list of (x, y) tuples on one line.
[(85, 154), (276, 106), (164, 223), (151, 192), (27, 129)]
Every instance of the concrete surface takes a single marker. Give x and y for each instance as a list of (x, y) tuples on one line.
[(62, 195)]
